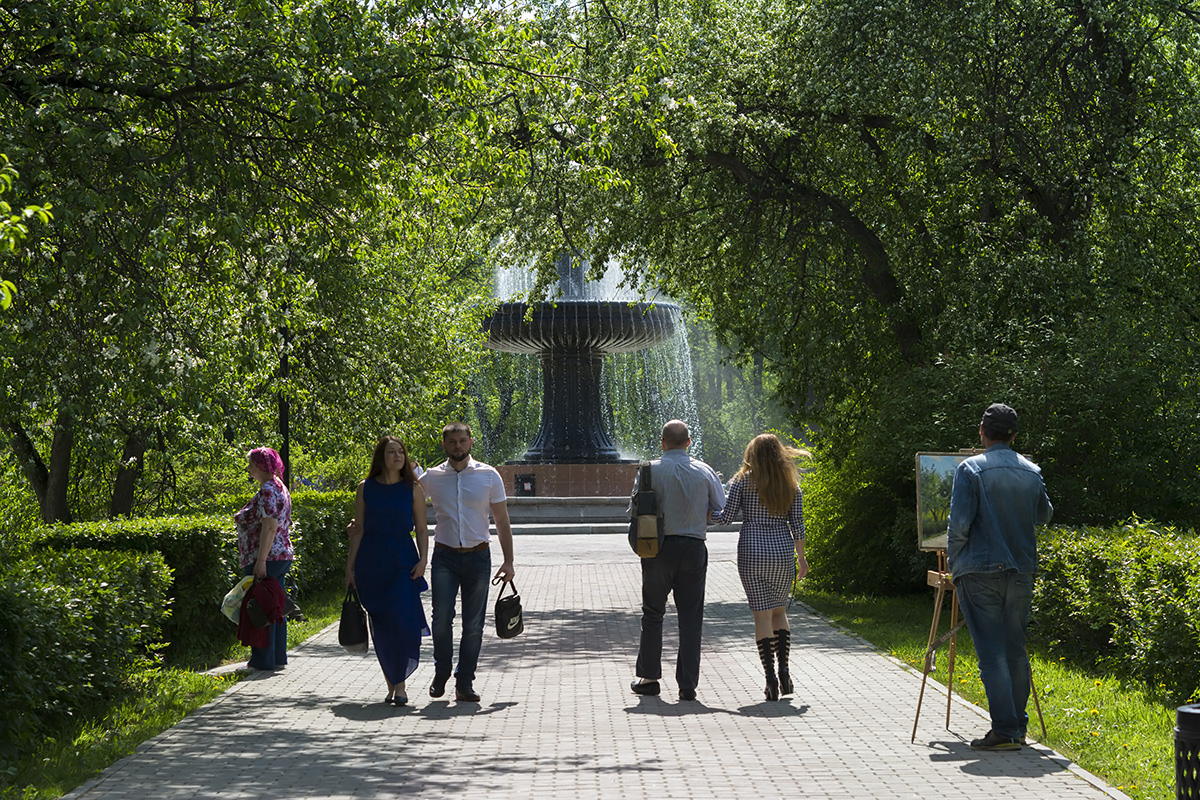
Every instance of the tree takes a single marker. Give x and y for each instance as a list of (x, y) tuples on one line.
[(908, 215), (215, 172), (14, 227)]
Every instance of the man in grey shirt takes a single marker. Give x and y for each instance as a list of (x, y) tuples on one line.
[(688, 490)]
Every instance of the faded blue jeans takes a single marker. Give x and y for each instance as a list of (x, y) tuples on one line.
[(274, 654), (996, 608), (452, 571)]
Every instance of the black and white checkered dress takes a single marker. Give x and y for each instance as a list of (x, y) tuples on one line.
[(766, 546)]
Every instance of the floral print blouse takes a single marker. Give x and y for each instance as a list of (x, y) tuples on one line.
[(273, 501)]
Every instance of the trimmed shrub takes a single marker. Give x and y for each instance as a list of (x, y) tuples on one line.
[(318, 532), (202, 555), (1125, 601), (319, 536), (73, 624), (1076, 596), (856, 540)]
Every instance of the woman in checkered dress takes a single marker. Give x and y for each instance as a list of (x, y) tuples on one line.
[(766, 492)]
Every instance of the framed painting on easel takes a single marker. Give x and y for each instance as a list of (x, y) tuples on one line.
[(935, 478)]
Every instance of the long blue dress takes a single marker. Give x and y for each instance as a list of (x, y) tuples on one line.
[(385, 558)]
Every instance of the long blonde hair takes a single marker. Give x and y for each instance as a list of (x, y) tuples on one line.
[(769, 467)]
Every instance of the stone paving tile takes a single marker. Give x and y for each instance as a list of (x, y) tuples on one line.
[(557, 718)]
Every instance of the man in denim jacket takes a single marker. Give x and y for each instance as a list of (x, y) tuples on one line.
[(997, 500)]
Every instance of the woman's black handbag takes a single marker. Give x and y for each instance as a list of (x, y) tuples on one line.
[(509, 619), (352, 630)]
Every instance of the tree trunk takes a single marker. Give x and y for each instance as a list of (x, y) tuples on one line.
[(54, 507), (30, 460), (132, 463)]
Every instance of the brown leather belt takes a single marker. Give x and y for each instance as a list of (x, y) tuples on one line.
[(481, 546)]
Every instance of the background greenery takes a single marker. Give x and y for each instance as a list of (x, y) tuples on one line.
[(878, 219), (907, 216)]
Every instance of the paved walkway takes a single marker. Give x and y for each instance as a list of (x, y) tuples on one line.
[(558, 720)]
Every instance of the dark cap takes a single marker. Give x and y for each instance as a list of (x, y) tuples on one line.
[(999, 422)]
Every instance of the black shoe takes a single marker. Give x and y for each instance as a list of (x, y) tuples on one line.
[(785, 682), (772, 690), (646, 688), (438, 687), (687, 694), (465, 694), (994, 741)]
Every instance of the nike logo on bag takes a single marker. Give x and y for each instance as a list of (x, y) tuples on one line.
[(512, 623)]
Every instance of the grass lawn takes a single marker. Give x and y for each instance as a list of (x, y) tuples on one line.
[(1113, 730), (158, 699)]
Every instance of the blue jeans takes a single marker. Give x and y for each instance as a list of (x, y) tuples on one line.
[(451, 572), (681, 568), (996, 608), (274, 654)]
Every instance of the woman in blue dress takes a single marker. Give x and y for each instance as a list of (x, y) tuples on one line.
[(766, 492), (387, 566)]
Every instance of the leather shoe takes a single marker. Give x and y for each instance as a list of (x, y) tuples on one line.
[(465, 694), (438, 687), (646, 688), (687, 694)]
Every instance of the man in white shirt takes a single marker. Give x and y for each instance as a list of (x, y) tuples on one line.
[(464, 492)]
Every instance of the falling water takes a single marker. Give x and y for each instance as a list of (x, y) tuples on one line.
[(642, 389)]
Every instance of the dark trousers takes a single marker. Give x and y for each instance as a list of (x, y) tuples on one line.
[(681, 567)]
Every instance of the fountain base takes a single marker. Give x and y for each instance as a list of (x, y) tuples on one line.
[(568, 480)]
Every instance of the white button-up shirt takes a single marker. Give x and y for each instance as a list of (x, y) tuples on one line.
[(462, 501)]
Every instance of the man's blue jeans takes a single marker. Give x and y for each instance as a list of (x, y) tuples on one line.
[(274, 654), (996, 608), (469, 572)]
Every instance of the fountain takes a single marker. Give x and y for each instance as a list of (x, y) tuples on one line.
[(573, 454)]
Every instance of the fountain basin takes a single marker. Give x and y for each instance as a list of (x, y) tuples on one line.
[(577, 326), (571, 337)]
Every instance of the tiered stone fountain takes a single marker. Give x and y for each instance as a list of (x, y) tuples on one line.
[(574, 454)]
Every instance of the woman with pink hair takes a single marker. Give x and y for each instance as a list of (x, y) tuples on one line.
[(265, 544)]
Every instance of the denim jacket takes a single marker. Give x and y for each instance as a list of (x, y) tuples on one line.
[(997, 499)]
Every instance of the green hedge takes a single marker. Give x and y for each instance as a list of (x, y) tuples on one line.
[(202, 553), (72, 626), (318, 532), (1125, 601), (319, 536)]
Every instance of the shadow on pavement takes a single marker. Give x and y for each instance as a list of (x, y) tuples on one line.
[(989, 764)]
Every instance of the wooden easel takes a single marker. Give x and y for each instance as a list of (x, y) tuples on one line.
[(940, 579)]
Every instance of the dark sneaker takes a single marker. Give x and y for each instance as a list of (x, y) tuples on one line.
[(465, 694), (646, 688), (994, 741), (438, 687)]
